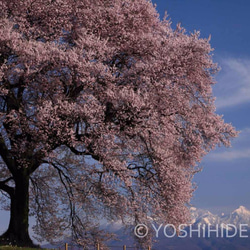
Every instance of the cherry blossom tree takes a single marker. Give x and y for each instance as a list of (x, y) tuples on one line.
[(105, 111)]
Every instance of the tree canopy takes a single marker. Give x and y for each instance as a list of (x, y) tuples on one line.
[(105, 111)]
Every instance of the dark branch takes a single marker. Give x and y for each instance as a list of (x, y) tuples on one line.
[(6, 188), (89, 152), (75, 151), (6, 180), (7, 157)]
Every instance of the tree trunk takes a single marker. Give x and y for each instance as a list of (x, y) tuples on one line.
[(17, 232)]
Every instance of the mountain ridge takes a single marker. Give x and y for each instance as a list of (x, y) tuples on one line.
[(234, 218), (239, 216)]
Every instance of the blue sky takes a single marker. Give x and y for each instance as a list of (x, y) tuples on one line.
[(224, 183)]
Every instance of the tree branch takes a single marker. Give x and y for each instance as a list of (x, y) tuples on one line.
[(6, 188), (6, 180), (7, 157), (89, 152), (75, 151)]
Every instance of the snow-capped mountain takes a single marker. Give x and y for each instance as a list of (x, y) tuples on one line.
[(239, 216), (200, 216)]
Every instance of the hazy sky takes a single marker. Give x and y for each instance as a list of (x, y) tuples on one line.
[(224, 183)]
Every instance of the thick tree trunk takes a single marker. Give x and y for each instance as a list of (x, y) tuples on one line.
[(17, 232)]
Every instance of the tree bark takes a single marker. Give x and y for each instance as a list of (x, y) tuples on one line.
[(17, 232)]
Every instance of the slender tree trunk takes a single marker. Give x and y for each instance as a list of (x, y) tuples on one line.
[(17, 232)]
